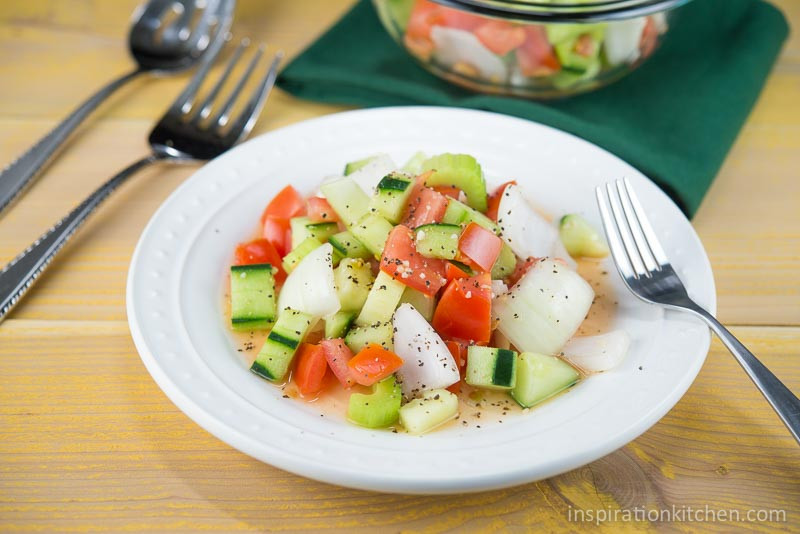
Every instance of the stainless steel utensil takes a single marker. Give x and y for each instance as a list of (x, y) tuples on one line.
[(184, 133), (647, 272), (166, 36)]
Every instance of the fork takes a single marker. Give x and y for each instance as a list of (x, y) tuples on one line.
[(643, 265), (185, 133)]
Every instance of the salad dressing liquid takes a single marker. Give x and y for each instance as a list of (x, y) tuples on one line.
[(477, 407)]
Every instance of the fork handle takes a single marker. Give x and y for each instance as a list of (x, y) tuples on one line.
[(783, 401), (19, 173), (19, 275)]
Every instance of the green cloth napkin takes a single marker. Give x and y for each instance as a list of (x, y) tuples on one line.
[(675, 118)]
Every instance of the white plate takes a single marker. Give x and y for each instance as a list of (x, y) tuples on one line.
[(175, 287)]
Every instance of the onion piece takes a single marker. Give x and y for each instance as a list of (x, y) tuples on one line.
[(598, 353), (368, 176), (427, 363), (309, 288), (454, 46)]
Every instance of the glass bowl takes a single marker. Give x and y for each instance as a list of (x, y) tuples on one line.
[(537, 49)]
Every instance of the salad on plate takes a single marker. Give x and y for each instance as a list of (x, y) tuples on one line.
[(412, 290)]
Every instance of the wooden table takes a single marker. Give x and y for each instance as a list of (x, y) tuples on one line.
[(88, 442)]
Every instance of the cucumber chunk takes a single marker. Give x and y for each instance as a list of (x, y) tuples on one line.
[(491, 368), (391, 197), (505, 264), (353, 166), (353, 279), (297, 254), (580, 238), (276, 354), (378, 410), (459, 170), (361, 336), (424, 304), (414, 164), (433, 409), (372, 230), (338, 324), (438, 240), (252, 297), (459, 213), (299, 231), (346, 198), (347, 246), (539, 377), (322, 231), (381, 301)]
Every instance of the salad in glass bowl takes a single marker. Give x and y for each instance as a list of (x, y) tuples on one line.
[(541, 49), (409, 291)]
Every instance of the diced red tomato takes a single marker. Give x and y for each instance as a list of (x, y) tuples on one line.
[(536, 56), (425, 206), (319, 210), (278, 232), (494, 200), (499, 36), (523, 266), (309, 372), (402, 262), (465, 309), (372, 364), (419, 46), (260, 251), (585, 45), (459, 352), (447, 190), (286, 204), (424, 16), (452, 271), (456, 18), (338, 354), (649, 37), (480, 245)]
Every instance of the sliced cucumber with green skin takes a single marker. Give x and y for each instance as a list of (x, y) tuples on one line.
[(252, 296), (338, 324), (432, 410), (414, 164), (580, 238), (381, 301), (353, 166), (299, 229), (372, 230), (459, 213), (378, 410), (438, 240), (539, 377), (347, 198), (505, 264), (424, 304), (459, 170), (346, 244), (276, 354), (360, 336), (353, 279), (391, 197), (322, 231), (491, 368), (302, 250)]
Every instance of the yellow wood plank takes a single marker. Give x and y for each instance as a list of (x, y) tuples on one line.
[(89, 443)]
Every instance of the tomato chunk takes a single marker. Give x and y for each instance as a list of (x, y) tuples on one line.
[(402, 262), (536, 56), (372, 364), (278, 232), (494, 200), (260, 251), (286, 204), (459, 352), (319, 210), (338, 354), (454, 271), (447, 190), (309, 372), (425, 207), (465, 309), (523, 266), (499, 36), (649, 38), (480, 245)]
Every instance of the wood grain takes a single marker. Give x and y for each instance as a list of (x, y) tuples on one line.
[(89, 443)]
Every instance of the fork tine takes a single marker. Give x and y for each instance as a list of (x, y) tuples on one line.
[(185, 100), (625, 233), (205, 108), (222, 117), (636, 229), (614, 243), (247, 118), (650, 235)]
